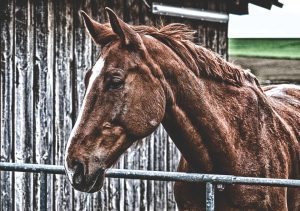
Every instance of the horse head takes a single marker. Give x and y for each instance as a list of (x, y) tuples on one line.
[(125, 100)]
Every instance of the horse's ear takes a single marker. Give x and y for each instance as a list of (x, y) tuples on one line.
[(99, 32), (125, 32)]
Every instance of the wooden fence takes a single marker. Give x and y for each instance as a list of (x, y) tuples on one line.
[(44, 55)]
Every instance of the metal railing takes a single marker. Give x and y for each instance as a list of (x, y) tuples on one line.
[(211, 180)]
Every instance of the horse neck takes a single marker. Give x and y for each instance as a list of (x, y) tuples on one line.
[(204, 121)]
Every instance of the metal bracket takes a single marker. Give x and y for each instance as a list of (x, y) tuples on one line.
[(210, 196)]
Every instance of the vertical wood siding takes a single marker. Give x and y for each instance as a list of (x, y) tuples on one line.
[(44, 55)]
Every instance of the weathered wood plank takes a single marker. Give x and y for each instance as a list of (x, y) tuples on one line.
[(23, 101), (50, 100), (201, 35), (212, 41), (223, 41), (63, 96), (43, 94), (6, 102), (173, 156), (150, 166), (159, 164), (97, 8)]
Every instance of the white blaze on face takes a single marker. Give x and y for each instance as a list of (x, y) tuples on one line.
[(95, 73)]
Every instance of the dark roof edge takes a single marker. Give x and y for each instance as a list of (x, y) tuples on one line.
[(240, 7)]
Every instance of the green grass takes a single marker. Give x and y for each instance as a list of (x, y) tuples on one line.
[(266, 48)]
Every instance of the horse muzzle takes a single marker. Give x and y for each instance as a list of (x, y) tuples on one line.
[(85, 182)]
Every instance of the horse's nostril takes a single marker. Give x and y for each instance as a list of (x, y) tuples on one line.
[(77, 179), (78, 173)]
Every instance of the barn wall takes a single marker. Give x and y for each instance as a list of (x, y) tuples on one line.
[(45, 53)]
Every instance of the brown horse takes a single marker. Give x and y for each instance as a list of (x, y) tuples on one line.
[(217, 114)]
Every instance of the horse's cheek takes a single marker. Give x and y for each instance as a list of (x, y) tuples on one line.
[(144, 113)]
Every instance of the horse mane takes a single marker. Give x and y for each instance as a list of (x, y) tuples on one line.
[(203, 62)]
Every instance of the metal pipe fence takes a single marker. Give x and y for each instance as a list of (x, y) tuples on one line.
[(211, 180)]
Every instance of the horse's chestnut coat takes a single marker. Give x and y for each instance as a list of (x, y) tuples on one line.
[(217, 114)]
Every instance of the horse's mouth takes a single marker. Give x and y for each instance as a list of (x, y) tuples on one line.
[(90, 183), (97, 184)]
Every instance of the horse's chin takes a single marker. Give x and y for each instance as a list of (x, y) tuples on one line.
[(98, 184)]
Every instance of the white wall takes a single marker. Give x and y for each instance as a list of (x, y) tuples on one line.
[(263, 23)]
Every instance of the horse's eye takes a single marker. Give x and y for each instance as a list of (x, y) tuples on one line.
[(115, 83)]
